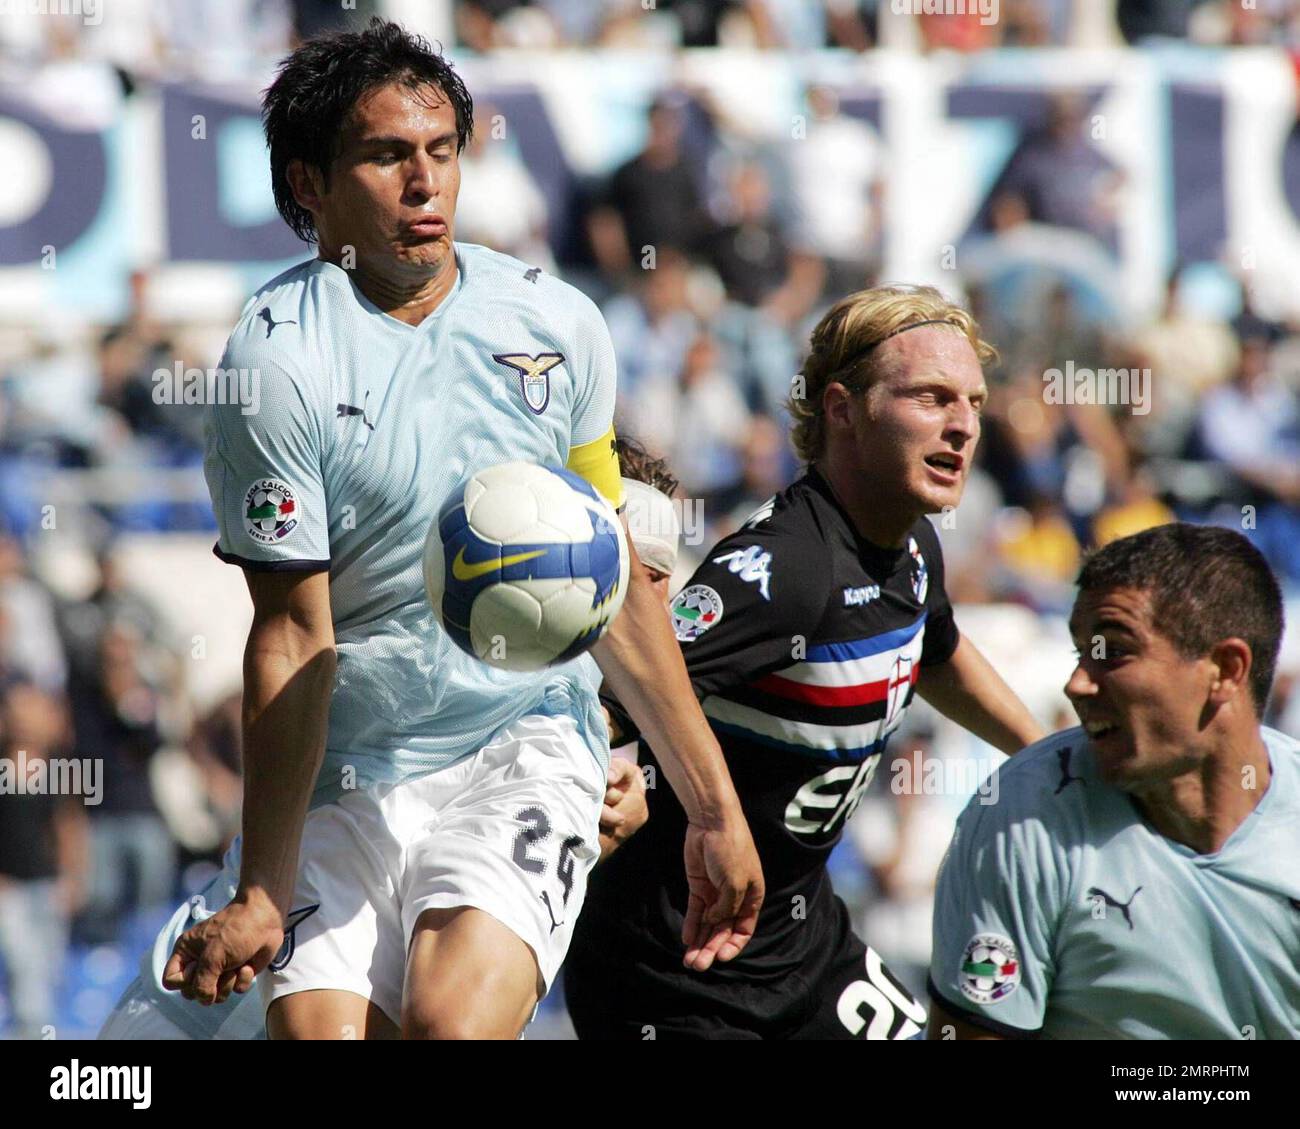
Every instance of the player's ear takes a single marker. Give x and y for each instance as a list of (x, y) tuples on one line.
[(1233, 662), (837, 403), (307, 184)]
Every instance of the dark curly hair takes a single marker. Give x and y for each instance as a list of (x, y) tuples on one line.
[(638, 464), (306, 108)]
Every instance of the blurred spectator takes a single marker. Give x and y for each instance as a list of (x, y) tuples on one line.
[(1038, 549), (652, 201), (1188, 354), (1145, 19), (215, 747), (1252, 425), (30, 646), (652, 322), (113, 602), (837, 173), (500, 204), (766, 468), (117, 723), (1136, 508), (1057, 177), (757, 264), (696, 419), (42, 859)]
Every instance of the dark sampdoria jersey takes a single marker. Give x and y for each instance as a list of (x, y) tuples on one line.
[(804, 643)]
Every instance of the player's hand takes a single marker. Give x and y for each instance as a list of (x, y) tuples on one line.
[(625, 810), (726, 892), (225, 952)]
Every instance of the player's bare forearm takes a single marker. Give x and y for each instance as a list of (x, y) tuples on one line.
[(969, 691), (643, 666), (289, 665)]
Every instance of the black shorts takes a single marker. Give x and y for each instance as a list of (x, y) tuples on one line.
[(849, 995)]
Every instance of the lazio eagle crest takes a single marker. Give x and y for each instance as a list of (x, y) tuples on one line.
[(534, 376)]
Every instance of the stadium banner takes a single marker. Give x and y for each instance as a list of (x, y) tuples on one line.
[(1202, 146)]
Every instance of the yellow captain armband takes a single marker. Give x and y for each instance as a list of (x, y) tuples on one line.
[(597, 462)]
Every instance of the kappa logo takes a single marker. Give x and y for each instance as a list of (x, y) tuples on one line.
[(265, 314), (752, 564), (864, 594), (534, 376)]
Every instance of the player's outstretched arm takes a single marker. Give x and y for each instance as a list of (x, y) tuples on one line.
[(643, 666), (968, 690), (288, 677)]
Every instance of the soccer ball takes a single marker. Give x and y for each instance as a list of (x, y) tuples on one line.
[(526, 567)]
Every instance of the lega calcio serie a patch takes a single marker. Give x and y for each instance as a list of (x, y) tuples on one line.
[(695, 609), (990, 968), (270, 511)]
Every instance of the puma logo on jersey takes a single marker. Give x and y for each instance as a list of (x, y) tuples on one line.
[(285, 954), (265, 314), (345, 410), (1123, 907), (534, 376), (1063, 755), (550, 912), (531, 273)]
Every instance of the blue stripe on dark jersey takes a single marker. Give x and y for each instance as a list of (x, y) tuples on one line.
[(837, 756), (864, 648)]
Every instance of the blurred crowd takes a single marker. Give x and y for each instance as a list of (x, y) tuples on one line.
[(711, 257), (153, 38)]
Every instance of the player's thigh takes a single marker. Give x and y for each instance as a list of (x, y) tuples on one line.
[(859, 998), (516, 844), (344, 943), (327, 1014), (468, 976)]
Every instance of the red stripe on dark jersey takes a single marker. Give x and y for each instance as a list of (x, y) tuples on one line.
[(861, 695)]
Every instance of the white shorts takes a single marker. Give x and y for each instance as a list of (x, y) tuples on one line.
[(512, 830)]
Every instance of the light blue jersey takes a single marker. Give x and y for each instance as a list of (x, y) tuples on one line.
[(365, 427), (1061, 911)]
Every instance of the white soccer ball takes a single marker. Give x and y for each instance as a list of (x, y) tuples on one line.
[(526, 567)]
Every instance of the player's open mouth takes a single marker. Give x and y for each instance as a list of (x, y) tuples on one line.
[(1099, 729), (945, 466)]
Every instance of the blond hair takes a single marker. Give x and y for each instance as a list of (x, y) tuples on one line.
[(843, 343)]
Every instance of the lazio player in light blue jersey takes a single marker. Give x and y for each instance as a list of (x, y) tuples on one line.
[(1139, 877), (431, 888)]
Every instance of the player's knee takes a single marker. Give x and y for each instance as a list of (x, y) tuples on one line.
[(456, 1019)]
